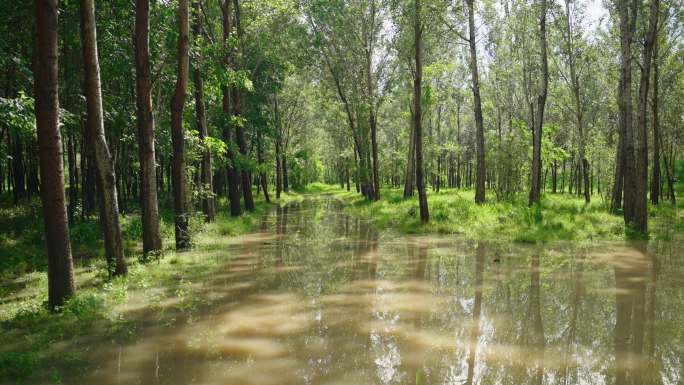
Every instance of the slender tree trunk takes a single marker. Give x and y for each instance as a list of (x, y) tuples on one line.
[(535, 191), (410, 162), (655, 179), (641, 204), (232, 174), (278, 148), (417, 108), (286, 179), (45, 72), (260, 160), (145, 121), (206, 176), (109, 213), (178, 142), (477, 108), (237, 111), (627, 26), (374, 150), (579, 112)]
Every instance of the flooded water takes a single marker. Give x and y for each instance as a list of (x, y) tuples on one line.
[(318, 297)]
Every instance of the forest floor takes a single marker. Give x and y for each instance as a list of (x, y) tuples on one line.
[(560, 217)]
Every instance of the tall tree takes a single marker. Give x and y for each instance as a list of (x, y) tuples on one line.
[(417, 113), (625, 164), (109, 206), (178, 142), (145, 121), (477, 107), (208, 204), (245, 175), (655, 177), (640, 220), (45, 72), (226, 104), (574, 83), (535, 191)]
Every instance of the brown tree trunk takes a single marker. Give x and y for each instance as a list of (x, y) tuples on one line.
[(233, 176), (477, 108), (579, 112), (109, 206), (655, 178), (641, 199), (145, 120), (237, 111), (410, 163), (417, 117), (262, 174), (278, 148), (45, 72), (627, 26), (286, 180), (535, 191), (206, 177), (178, 142)]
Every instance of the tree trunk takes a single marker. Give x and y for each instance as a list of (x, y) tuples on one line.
[(655, 179), (579, 112), (477, 108), (286, 180), (233, 176), (237, 111), (410, 162), (262, 174), (109, 206), (278, 147), (177, 140), (640, 222), (374, 150), (627, 26), (45, 72), (535, 191), (417, 118), (145, 121), (206, 176)]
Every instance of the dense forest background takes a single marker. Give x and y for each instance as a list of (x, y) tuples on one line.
[(200, 106)]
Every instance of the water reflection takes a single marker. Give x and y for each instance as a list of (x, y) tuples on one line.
[(319, 297)]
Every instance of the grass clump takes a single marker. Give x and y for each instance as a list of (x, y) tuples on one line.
[(559, 217)]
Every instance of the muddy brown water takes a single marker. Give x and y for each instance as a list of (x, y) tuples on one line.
[(319, 297)]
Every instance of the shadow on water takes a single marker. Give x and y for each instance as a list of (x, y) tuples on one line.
[(319, 297)]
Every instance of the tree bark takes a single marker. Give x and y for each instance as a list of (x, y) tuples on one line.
[(640, 222), (535, 191), (410, 163), (208, 203), (418, 124), (627, 26), (45, 72), (145, 121), (237, 111), (233, 176), (178, 142), (655, 178), (278, 147), (109, 206), (477, 108), (579, 112)]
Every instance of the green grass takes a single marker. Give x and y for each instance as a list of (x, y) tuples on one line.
[(29, 333), (560, 217)]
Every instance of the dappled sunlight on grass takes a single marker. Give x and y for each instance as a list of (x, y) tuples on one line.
[(561, 217)]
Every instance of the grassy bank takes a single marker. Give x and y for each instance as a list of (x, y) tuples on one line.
[(560, 217), (37, 345)]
